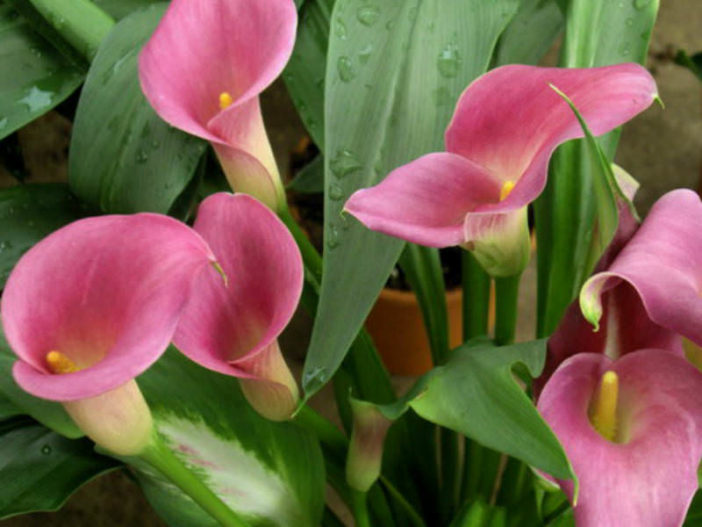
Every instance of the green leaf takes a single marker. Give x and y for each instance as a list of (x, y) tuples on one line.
[(599, 171), (118, 9), (49, 413), (269, 473), (34, 76), (8, 408), (310, 180), (693, 63), (395, 71), (39, 469), (123, 157), (304, 74), (598, 33), (476, 394), (530, 34), (29, 213)]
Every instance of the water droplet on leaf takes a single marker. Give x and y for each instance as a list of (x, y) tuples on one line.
[(641, 4), (336, 192), (344, 163), (345, 68), (365, 54), (449, 61), (46, 450), (340, 29), (333, 237), (368, 15), (142, 157)]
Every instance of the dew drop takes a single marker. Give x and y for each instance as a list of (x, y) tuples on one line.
[(629, 22), (449, 61), (340, 28), (365, 54), (345, 68), (142, 157), (344, 163), (641, 4), (3, 123), (333, 237), (36, 99), (624, 49), (336, 192), (155, 144), (390, 24), (314, 374), (368, 15), (46, 450)]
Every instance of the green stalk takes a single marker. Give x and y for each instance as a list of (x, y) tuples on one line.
[(506, 300), (476, 298), (310, 256), (327, 433), (359, 508), (162, 459), (406, 506), (80, 22)]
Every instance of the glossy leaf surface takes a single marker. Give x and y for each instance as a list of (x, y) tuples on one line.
[(123, 157), (269, 473), (34, 77), (39, 469)]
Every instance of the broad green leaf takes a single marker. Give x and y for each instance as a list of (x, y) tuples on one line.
[(34, 76), (476, 394), (310, 180), (48, 413), (123, 157), (395, 71), (598, 33), (39, 469), (304, 74), (28, 214), (118, 9), (530, 34), (8, 408), (270, 473)]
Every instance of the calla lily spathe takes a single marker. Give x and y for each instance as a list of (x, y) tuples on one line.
[(92, 306), (645, 473), (203, 70), (505, 127), (234, 329), (663, 264)]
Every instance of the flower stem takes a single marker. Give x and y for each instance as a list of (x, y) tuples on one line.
[(476, 297), (328, 434), (310, 256), (506, 298), (162, 459), (360, 508), (413, 515)]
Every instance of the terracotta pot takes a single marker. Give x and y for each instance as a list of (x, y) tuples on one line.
[(396, 325)]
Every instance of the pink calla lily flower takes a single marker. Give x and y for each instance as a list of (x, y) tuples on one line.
[(632, 430), (202, 71), (234, 330), (625, 324), (505, 127), (663, 263), (92, 306)]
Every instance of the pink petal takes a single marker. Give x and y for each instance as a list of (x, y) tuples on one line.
[(510, 120), (225, 328), (649, 479), (426, 201), (247, 158), (662, 262), (202, 48), (107, 292)]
